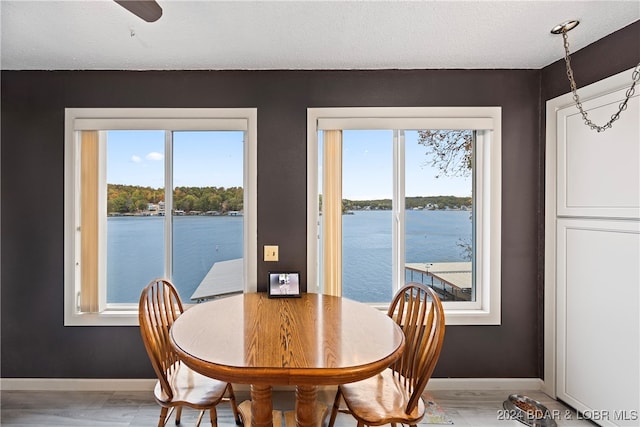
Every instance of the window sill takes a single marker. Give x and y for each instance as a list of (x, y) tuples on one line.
[(128, 316), (460, 316), (120, 317)]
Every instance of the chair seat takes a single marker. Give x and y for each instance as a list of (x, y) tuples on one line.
[(381, 399), (192, 388)]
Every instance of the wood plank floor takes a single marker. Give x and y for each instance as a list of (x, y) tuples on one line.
[(137, 409)]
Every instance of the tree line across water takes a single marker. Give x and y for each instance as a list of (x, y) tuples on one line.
[(136, 199), (419, 202)]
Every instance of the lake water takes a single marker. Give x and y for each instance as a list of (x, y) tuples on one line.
[(430, 236), (135, 249)]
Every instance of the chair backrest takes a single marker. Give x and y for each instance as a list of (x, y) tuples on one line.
[(159, 307), (418, 311)]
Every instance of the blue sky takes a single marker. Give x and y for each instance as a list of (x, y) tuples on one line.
[(215, 159), (367, 168), (200, 158)]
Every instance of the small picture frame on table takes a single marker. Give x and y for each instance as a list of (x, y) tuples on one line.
[(284, 284)]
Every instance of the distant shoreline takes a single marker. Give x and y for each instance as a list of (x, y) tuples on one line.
[(176, 213)]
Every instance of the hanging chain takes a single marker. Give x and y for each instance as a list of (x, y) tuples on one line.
[(623, 105)]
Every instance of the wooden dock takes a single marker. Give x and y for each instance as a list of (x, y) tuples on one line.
[(224, 278), (453, 280)]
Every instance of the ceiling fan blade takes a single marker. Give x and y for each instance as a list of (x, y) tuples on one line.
[(148, 10)]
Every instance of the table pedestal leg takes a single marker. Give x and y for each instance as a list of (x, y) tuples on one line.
[(261, 406), (306, 406)]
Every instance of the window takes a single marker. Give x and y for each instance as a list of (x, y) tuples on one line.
[(379, 216), (155, 193)]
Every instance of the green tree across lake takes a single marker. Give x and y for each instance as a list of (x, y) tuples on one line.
[(136, 199), (420, 202)]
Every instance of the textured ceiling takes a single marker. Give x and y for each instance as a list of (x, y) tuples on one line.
[(202, 35)]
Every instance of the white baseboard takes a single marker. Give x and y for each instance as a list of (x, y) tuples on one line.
[(506, 384), (77, 384), (91, 384)]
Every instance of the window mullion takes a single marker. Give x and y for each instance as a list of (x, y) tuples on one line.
[(398, 206), (482, 217), (477, 166), (168, 197)]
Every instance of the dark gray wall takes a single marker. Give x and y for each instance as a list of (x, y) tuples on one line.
[(34, 342)]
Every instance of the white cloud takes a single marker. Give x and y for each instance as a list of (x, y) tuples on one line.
[(154, 155), (136, 159)]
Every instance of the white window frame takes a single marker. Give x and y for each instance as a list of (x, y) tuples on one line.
[(487, 121), (169, 119)]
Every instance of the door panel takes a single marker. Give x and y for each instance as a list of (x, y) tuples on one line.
[(598, 353), (598, 174)]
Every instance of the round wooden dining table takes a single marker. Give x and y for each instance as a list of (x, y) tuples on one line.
[(308, 341)]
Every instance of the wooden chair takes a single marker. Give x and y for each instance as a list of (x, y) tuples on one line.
[(177, 385), (395, 395)]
